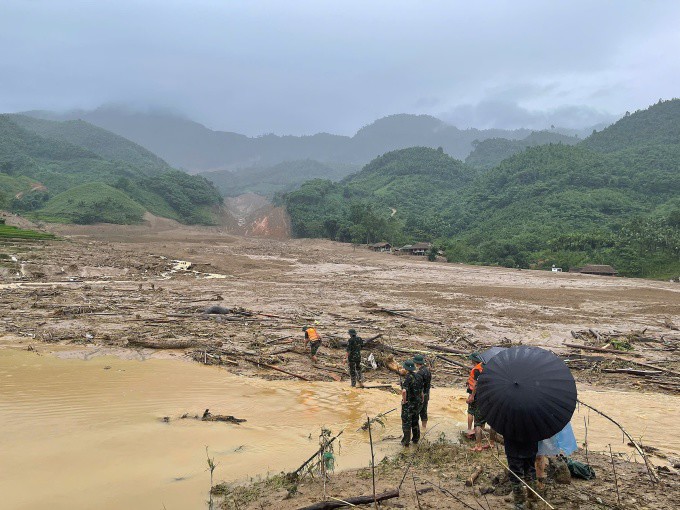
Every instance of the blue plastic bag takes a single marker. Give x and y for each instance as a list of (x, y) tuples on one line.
[(563, 442)]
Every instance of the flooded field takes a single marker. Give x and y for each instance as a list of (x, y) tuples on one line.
[(78, 434)]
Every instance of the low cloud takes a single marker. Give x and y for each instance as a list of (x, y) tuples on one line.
[(492, 113)]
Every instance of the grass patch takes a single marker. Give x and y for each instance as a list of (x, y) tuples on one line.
[(236, 496), (7, 232)]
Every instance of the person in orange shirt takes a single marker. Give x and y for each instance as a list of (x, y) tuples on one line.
[(312, 338), (473, 410)]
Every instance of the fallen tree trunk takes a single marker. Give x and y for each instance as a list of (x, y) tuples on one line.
[(653, 367), (447, 349), (599, 349), (631, 371), (179, 343), (451, 362), (352, 501), (256, 362)]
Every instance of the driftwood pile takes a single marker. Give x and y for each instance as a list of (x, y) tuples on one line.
[(642, 354)]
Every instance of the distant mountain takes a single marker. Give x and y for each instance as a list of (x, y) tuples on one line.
[(490, 152), (560, 204), (283, 177), (49, 176), (195, 148)]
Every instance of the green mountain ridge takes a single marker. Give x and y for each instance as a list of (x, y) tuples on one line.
[(38, 167), (191, 146), (490, 152), (551, 204)]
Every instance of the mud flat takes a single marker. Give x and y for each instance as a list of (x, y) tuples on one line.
[(119, 290)]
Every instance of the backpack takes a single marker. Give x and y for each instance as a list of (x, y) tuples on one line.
[(580, 470)]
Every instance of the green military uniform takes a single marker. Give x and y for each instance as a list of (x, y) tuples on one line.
[(354, 346), (412, 385), (426, 378)]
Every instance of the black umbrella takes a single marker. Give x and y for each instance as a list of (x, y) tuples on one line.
[(526, 393), (490, 353)]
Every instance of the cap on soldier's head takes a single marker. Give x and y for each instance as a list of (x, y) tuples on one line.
[(352, 332), (476, 357), (408, 365), (305, 328), (418, 358)]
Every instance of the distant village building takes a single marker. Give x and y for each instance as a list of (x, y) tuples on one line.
[(421, 248), (381, 247), (597, 269), (404, 250)]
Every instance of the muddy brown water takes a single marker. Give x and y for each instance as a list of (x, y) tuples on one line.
[(80, 434)]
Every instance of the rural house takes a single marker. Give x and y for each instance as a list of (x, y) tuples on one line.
[(420, 248), (597, 269), (381, 247)]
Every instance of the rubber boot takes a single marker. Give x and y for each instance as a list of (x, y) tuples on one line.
[(519, 497), (530, 495)]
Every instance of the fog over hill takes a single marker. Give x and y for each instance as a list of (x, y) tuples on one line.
[(195, 148)]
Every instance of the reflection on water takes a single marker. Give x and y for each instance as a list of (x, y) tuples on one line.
[(80, 434)]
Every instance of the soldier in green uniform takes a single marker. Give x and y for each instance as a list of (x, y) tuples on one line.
[(411, 400), (354, 346), (426, 377)]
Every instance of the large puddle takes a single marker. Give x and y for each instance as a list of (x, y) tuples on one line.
[(85, 434)]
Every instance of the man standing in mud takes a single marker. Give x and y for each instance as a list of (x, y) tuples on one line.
[(426, 378), (521, 456), (471, 384), (473, 408), (354, 346), (411, 402), (313, 339)]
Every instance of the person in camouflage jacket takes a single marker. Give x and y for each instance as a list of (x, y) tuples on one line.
[(354, 346), (426, 377), (411, 402)]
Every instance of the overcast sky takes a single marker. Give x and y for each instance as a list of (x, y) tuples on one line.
[(304, 66)]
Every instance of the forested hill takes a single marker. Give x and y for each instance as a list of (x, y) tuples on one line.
[(489, 153), (103, 143), (413, 182), (657, 125), (191, 146), (75, 172), (559, 204)]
